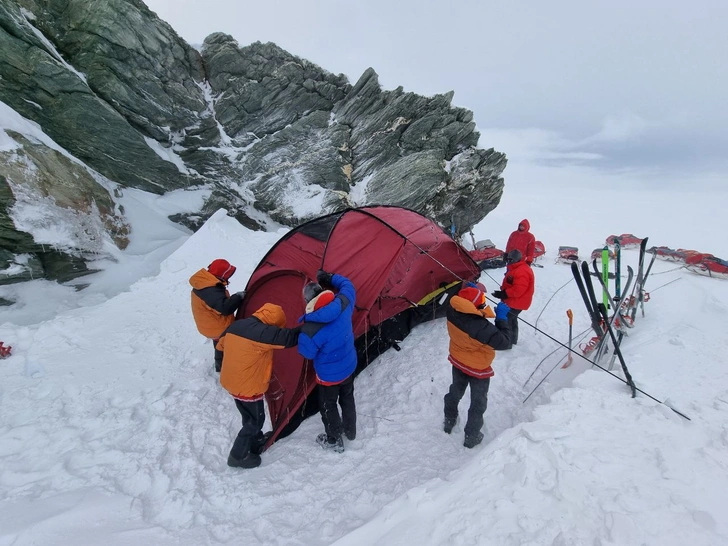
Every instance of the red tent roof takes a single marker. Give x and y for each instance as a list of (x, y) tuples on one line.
[(393, 256)]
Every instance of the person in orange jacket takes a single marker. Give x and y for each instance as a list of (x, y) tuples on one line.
[(523, 240), (248, 346), (473, 343), (213, 308), (517, 289)]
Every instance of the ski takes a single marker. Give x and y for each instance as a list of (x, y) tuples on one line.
[(644, 296), (617, 268), (624, 320), (602, 347), (605, 275), (593, 313), (618, 351), (630, 275), (589, 346), (636, 289)]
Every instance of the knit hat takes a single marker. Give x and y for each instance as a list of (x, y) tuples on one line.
[(323, 298), (474, 293), (222, 269), (514, 256)]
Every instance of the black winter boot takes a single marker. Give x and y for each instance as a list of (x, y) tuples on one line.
[(251, 460), (472, 440), (325, 442), (257, 447), (448, 425)]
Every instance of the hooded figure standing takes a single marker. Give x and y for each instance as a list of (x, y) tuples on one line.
[(213, 308), (522, 239), (327, 338), (248, 346), (473, 343), (517, 289)]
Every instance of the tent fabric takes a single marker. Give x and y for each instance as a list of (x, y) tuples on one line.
[(394, 257)]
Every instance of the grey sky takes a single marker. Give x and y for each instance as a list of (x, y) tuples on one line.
[(643, 83)]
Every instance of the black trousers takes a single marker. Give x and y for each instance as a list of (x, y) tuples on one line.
[(513, 324), (218, 355), (251, 435), (343, 394), (478, 399)]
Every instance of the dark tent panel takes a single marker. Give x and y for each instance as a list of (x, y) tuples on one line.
[(395, 258)]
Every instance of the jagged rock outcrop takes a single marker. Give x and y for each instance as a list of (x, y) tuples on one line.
[(273, 135)]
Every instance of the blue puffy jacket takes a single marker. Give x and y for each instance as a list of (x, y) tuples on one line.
[(327, 336)]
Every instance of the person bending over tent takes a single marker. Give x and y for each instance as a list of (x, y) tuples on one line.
[(523, 240), (213, 308), (248, 346), (518, 287), (473, 343), (327, 338)]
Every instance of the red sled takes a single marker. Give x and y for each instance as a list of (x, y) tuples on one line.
[(567, 255), (488, 258), (710, 267), (669, 254), (5, 351), (626, 240), (538, 250)]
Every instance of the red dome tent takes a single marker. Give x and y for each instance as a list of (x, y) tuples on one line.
[(395, 258)]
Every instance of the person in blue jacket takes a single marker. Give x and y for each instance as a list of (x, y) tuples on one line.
[(327, 338)]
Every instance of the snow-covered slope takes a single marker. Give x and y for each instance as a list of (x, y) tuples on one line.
[(114, 429)]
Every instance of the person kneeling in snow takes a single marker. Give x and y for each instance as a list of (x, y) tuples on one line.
[(473, 343), (248, 346), (213, 308), (327, 338)]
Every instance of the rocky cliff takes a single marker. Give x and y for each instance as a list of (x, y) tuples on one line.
[(271, 134)]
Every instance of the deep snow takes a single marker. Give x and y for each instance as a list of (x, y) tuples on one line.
[(114, 429)]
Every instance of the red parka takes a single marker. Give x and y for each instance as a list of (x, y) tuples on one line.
[(519, 285), (523, 241)]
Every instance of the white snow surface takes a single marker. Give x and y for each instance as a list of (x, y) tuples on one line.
[(114, 429)]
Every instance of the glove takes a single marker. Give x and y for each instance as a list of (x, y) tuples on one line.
[(241, 294), (501, 311), (323, 277), (500, 294), (529, 262)]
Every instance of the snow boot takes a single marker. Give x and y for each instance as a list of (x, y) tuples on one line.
[(350, 434), (251, 460), (325, 442), (448, 425), (472, 440), (257, 447)]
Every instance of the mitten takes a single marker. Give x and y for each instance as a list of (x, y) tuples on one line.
[(241, 294), (323, 277), (500, 294), (501, 311)]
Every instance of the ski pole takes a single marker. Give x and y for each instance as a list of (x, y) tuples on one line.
[(569, 358), (590, 361)]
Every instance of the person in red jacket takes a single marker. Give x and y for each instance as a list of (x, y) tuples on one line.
[(517, 289), (213, 308), (522, 239)]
